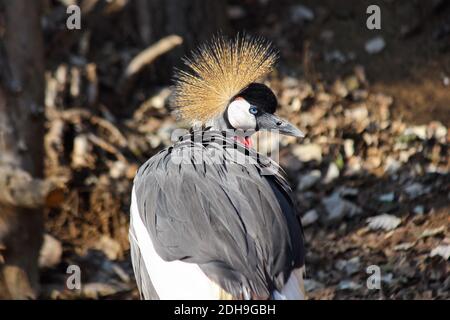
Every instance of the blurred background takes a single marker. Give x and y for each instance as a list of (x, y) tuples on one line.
[(81, 109)]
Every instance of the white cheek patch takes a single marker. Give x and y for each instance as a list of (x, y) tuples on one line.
[(239, 115)]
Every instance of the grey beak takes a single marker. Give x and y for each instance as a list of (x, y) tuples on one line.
[(268, 121)]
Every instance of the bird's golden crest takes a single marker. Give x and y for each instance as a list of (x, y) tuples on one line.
[(218, 71)]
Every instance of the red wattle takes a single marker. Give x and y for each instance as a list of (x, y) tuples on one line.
[(246, 141)]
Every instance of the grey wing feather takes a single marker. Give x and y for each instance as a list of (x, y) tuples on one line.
[(145, 286), (238, 225)]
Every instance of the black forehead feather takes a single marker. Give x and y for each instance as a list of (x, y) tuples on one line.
[(260, 95)]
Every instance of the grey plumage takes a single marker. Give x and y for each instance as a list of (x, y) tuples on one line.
[(238, 225), (146, 289)]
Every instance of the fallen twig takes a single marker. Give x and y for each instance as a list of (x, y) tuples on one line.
[(107, 147), (19, 189), (147, 56), (74, 115)]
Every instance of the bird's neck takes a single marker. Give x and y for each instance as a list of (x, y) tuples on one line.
[(220, 124)]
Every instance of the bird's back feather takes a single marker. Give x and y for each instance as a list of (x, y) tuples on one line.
[(237, 225)]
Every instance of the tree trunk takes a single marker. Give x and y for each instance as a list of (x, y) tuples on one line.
[(193, 20), (21, 144)]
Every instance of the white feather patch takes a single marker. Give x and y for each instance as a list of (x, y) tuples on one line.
[(175, 279), (239, 115)]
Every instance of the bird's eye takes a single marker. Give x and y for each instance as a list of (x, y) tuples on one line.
[(253, 110)]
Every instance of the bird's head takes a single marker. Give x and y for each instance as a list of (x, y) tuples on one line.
[(220, 87), (253, 109)]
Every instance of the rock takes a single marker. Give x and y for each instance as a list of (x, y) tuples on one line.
[(432, 232), (370, 139), (51, 252), (416, 131), (154, 140), (304, 90), (372, 162), (338, 208), (391, 165), (354, 166), (359, 95), (359, 114), (309, 180), (405, 155), (118, 169), (301, 13), (404, 246), (437, 130), (348, 285), (340, 89), (375, 45), (121, 273), (384, 102), (295, 105), (351, 83), (431, 168), (348, 192), (165, 133), (308, 152), (312, 285), (335, 56), (419, 210), (110, 247), (414, 190), (387, 278), (446, 81), (350, 266), (131, 170), (349, 147), (387, 197), (289, 82), (332, 173), (384, 221), (82, 153), (159, 100), (441, 250), (310, 217)]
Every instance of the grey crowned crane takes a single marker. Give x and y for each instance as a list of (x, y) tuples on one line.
[(204, 223)]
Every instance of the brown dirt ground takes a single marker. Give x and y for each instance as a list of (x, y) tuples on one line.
[(410, 68)]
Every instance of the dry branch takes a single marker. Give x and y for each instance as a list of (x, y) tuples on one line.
[(147, 56), (107, 147), (82, 156), (75, 116), (54, 146), (92, 89), (19, 189)]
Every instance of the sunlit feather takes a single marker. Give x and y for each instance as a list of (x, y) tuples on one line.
[(217, 72)]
